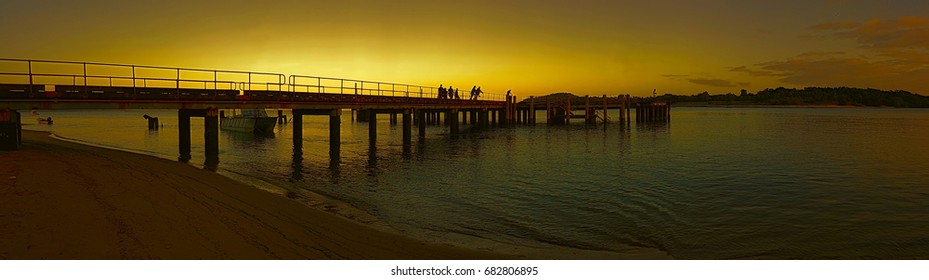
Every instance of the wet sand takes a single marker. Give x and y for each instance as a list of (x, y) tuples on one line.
[(60, 200)]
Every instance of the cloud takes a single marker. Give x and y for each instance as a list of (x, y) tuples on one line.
[(897, 57), (753, 72), (904, 40), (712, 82), (905, 32), (704, 81), (835, 25), (838, 69), (836, 3)]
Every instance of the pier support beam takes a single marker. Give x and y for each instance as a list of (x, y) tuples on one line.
[(210, 135), (211, 138), (453, 128), (421, 123), (548, 111), (505, 118), (297, 125), (335, 134), (335, 130), (407, 128), (532, 110), (483, 119), (605, 108), (11, 130), (183, 134), (363, 115), (372, 127)]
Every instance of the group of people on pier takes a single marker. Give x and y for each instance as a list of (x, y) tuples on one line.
[(452, 93), (448, 93)]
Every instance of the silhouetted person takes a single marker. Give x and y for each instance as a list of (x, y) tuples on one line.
[(508, 93), (456, 94), (473, 92), (442, 92), (477, 94)]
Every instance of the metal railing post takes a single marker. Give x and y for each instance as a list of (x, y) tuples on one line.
[(319, 84), (85, 79), (30, 76), (341, 86)]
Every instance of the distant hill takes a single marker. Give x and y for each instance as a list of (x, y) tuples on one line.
[(562, 96), (841, 96), (810, 96)]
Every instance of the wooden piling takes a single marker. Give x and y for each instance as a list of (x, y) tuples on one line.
[(297, 130), (532, 110), (605, 120), (587, 112), (183, 135), (372, 127), (453, 122), (548, 111), (335, 134), (407, 128), (421, 123), (568, 111)]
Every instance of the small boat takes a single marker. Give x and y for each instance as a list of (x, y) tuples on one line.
[(249, 120), (45, 120)]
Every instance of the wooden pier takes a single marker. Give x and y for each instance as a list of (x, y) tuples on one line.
[(193, 94)]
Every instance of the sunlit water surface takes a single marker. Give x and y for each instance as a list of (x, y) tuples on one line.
[(715, 183)]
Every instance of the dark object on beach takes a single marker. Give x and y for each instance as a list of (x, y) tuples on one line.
[(45, 120), (152, 122)]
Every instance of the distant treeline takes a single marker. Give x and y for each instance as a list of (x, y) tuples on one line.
[(842, 96)]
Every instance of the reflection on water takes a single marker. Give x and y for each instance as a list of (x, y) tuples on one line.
[(713, 183)]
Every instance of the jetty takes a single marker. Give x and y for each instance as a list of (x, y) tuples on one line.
[(204, 93)]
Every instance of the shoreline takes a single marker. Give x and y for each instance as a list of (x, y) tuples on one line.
[(340, 215), (776, 106), (62, 200)]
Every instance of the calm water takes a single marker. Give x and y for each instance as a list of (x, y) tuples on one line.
[(716, 183)]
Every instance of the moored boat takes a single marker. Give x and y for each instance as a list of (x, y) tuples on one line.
[(251, 121)]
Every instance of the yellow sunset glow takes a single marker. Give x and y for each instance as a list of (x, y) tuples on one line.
[(531, 47)]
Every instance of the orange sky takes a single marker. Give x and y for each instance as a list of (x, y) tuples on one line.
[(531, 47)]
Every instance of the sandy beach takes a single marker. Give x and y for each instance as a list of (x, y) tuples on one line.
[(60, 200)]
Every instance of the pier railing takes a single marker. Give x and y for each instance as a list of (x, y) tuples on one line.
[(52, 72), (38, 74), (300, 83)]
